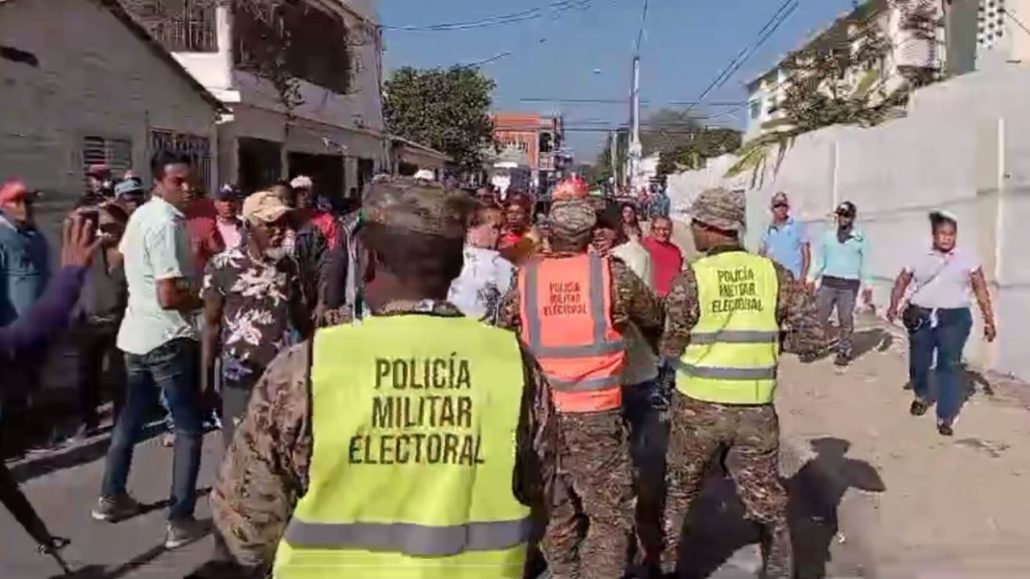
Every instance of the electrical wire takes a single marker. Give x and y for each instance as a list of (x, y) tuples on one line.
[(778, 18), (553, 8), (643, 26), (1016, 20), (589, 101)]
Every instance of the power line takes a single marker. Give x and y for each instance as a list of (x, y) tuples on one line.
[(589, 101), (1014, 19), (779, 17), (555, 7), (643, 25)]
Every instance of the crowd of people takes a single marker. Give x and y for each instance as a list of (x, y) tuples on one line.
[(437, 383)]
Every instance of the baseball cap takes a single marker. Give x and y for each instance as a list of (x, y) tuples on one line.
[(98, 170), (227, 192), (572, 219), (17, 190), (301, 182), (417, 206), (720, 208), (847, 209), (264, 207), (129, 188)]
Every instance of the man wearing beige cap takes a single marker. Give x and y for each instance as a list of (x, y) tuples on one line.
[(571, 308), (413, 444), (251, 304), (725, 315)]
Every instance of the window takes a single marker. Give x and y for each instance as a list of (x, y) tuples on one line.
[(755, 109), (196, 148), (115, 153), (179, 25)]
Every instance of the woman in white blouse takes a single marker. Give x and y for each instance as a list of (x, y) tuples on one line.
[(938, 317)]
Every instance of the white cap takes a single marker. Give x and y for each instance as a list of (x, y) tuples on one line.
[(425, 175), (301, 182)]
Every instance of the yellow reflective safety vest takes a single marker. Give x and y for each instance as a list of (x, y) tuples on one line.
[(734, 348), (414, 420)]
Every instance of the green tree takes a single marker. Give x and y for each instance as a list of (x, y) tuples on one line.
[(447, 109), (682, 141)]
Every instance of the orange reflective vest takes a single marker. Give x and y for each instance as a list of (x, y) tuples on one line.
[(566, 323)]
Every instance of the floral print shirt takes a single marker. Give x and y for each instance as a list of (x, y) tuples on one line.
[(258, 295)]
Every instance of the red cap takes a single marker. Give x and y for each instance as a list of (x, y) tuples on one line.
[(15, 191), (99, 170)]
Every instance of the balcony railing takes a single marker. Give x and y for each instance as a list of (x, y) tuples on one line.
[(179, 25)]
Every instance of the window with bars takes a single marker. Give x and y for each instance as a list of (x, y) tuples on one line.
[(197, 148), (116, 153)]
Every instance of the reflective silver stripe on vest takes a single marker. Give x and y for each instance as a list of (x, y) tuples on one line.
[(734, 337), (597, 313), (585, 385), (410, 539), (718, 373)]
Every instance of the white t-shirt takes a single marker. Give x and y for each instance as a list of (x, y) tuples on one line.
[(951, 288), (641, 362)]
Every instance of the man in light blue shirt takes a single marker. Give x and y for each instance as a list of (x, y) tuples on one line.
[(161, 349), (785, 240), (842, 266)]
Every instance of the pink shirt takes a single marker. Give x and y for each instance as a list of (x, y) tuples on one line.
[(230, 233), (667, 262)]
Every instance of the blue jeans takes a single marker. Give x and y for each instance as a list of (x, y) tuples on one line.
[(948, 339), (172, 369)]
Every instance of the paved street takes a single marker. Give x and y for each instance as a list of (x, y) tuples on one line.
[(874, 492)]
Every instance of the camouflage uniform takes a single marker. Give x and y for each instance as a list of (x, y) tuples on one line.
[(747, 436), (266, 468), (594, 479)]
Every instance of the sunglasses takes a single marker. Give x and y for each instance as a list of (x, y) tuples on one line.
[(780, 205)]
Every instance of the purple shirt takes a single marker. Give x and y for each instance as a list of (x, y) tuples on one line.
[(48, 315)]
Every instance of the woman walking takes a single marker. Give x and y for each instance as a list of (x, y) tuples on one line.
[(938, 317)]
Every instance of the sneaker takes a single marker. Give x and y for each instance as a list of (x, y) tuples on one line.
[(918, 408), (842, 360), (182, 532), (944, 428), (114, 509)]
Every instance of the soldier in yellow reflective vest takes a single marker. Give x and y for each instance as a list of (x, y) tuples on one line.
[(411, 445), (725, 314)]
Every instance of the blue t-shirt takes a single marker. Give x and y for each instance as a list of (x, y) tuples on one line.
[(783, 245)]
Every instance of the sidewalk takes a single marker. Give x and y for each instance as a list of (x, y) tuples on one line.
[(911, 503)]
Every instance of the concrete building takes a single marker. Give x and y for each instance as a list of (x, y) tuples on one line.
[(326, 121), (536, 136), (768, 90), (82, 83)]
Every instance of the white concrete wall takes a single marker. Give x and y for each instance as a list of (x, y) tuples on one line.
[(112, 85), (965, 147)]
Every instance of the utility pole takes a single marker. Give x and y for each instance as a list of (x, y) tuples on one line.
[(635, 148), (613, 157)]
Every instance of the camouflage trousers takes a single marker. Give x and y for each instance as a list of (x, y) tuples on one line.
[(648, 440), (747, 440), (591, 512)]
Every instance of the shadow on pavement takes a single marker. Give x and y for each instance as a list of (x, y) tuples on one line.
[(73, 455), (816, 492), (137, 562)]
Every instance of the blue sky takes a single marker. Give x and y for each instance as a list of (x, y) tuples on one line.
[(587, 53)]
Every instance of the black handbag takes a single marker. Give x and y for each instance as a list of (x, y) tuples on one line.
[(915, 317)]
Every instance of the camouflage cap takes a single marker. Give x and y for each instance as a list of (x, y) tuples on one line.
[(571, 219), (720, 208), (417, 206)]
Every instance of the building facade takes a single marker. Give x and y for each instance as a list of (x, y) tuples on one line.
[(310, 105), (83, 84), (533, 138)]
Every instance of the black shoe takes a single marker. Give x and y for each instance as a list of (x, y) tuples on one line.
[(842, 360), (918, 408), (944, 429)]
